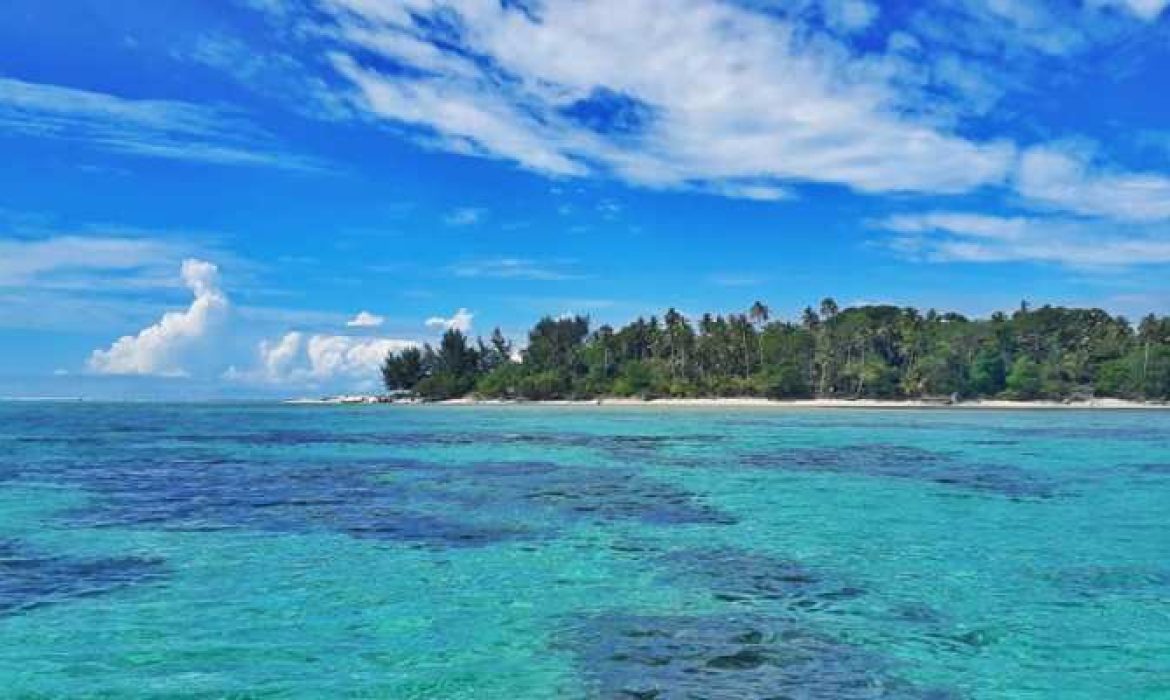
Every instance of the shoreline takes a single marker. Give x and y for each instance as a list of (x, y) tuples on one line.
[(752, 402)]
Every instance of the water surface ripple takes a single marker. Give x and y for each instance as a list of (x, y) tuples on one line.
[(250, 550)]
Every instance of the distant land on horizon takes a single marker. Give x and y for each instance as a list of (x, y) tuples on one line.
[(866, 352)]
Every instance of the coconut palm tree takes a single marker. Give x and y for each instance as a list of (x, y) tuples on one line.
[(829, 308), (740, 322), (760, 314)]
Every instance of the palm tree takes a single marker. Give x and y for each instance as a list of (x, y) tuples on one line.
[(829, 308), (863, 339), (809, 319), (811, 323), (741, 322), (1146, 332), (674, 322), (759, 314)]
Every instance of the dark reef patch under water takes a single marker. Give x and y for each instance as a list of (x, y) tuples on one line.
[(736, 656), (903, 462), (742, 577), (597, 493), (621, 444), (1093, 582), (30, 579), (419, 502), (215, 495), (761, 649), (1123, 433), (1155, 469)]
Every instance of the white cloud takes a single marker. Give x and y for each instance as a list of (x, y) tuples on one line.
[(461, 321), (977, 238), (161, 349), (514, 268), (153, 128), (1064, 178), (962, 224), (1011, 29), (276, 75), (331, 355), (665, 93), (850, 15), (70, 261), (760, 193), (365, 319), (465, 216), (277, 358), (299, 359), (1148, 10)]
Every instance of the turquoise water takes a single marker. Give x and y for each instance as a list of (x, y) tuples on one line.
[(211, 551)]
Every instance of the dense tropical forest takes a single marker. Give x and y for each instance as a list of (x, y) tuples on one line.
[(862, 352)]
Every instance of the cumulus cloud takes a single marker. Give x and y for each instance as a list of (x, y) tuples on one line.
[(298, 358), (160, 349), (666, 94), (277, 357), (331, 355), (365, 319), (461, 321), (1064, 178)]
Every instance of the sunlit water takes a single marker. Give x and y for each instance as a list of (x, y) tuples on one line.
[(523, 552)]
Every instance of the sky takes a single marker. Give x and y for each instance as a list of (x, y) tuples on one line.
[(245, 198)]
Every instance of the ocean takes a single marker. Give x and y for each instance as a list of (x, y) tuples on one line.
[(273, 551)]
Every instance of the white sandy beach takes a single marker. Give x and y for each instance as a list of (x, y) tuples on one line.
[(749, 402)]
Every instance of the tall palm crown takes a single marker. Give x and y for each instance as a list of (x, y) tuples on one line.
[(759, 313)]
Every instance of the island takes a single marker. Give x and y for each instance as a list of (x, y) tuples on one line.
[(870, 355)]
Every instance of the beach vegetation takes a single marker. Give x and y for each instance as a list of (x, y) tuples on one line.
[(871, 351)]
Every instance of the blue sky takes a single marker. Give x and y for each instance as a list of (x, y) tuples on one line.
[(202, 198)]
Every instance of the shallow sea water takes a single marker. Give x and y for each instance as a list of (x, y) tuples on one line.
[(269, 551)]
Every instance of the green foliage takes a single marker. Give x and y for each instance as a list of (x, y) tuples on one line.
[(543, 385), (1118, 378), (556, 344), (1024, 381), (634, 379), (501, 382), (444, 386), (785, 381), (402, 372), (1154, 376), (868, 351), (449, 372), (988, 374)]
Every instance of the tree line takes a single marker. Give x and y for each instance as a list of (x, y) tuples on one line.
[(861, 352)]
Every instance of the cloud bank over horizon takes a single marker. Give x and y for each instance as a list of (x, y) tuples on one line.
[(312, 361), (184, 343)]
